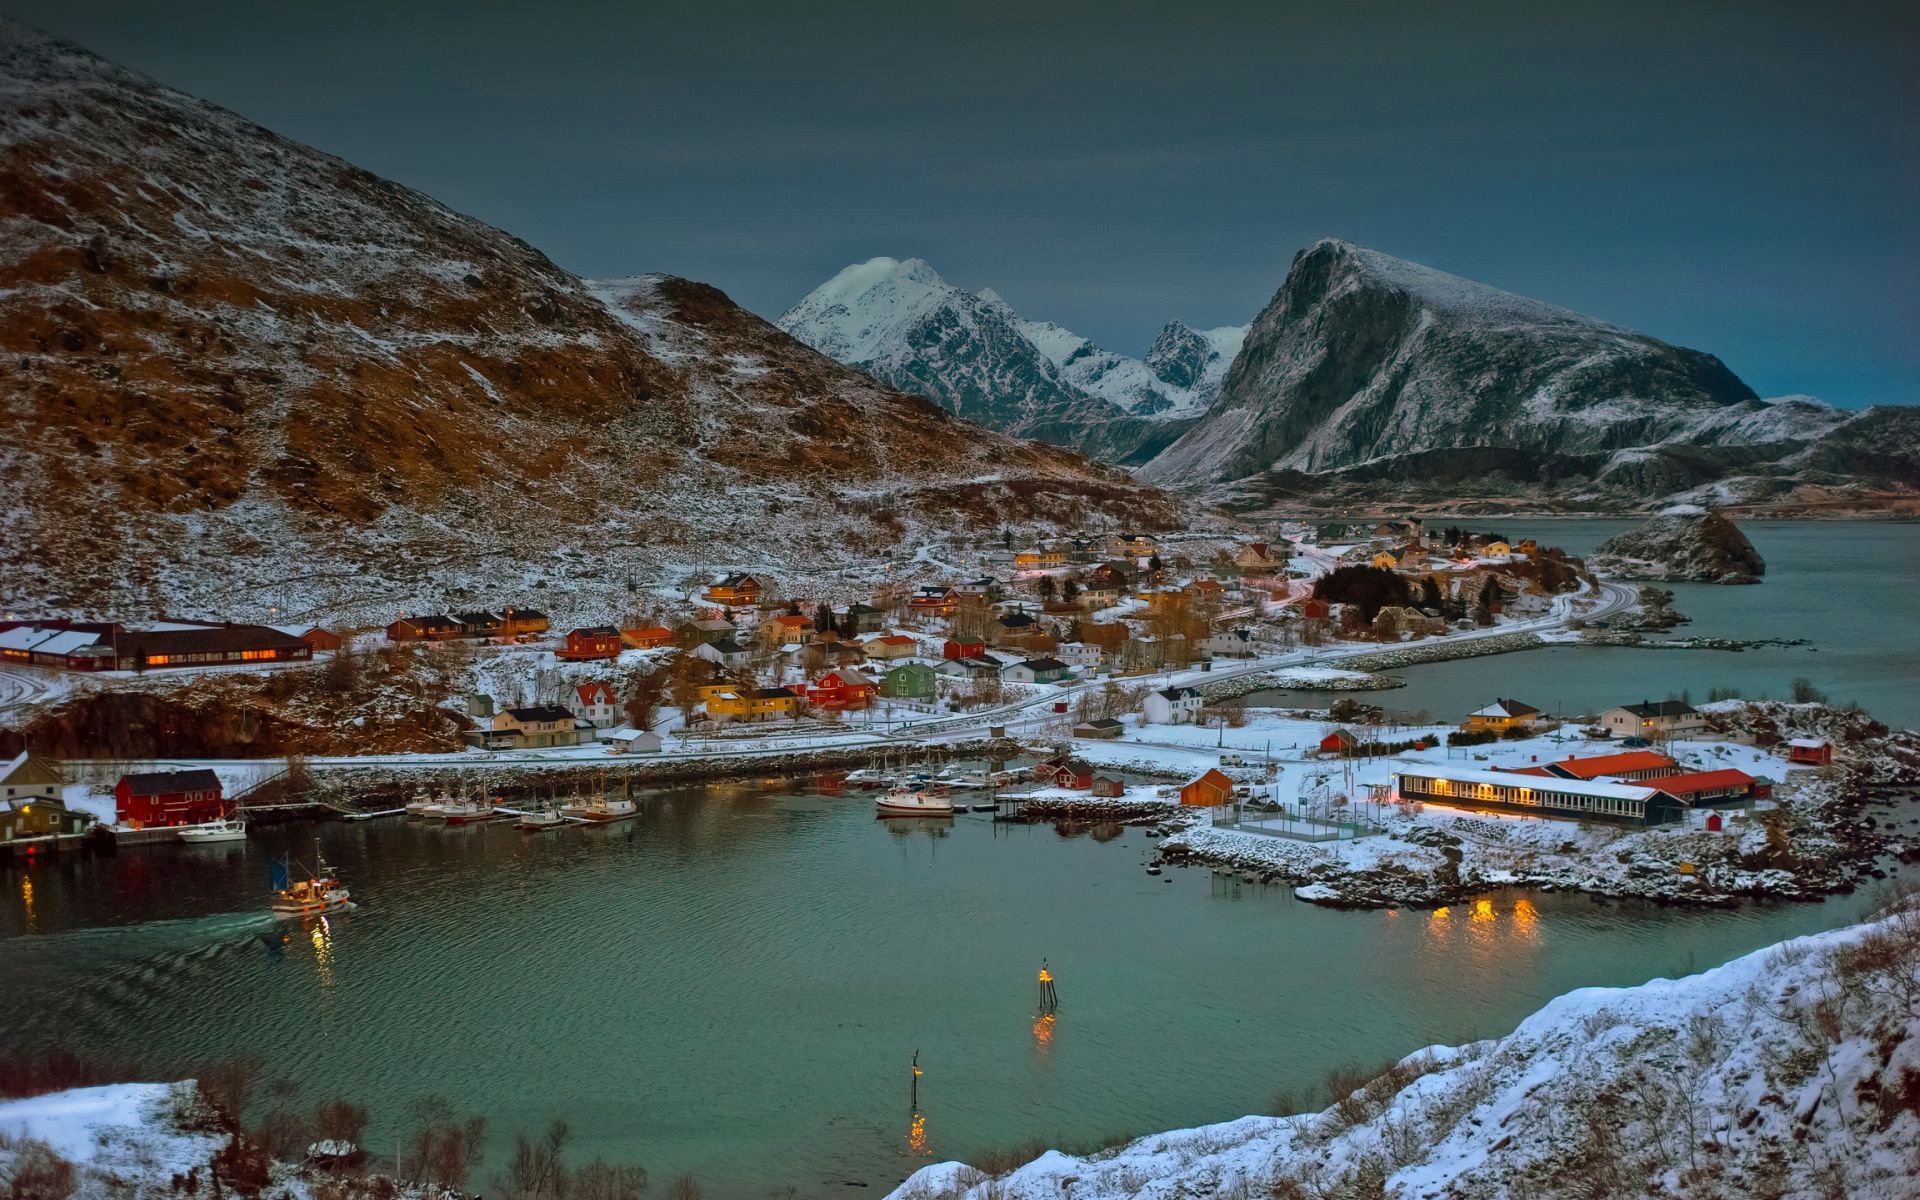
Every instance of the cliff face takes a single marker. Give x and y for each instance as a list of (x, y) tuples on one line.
[(1366, 373), (242, 371), (1691, 546)]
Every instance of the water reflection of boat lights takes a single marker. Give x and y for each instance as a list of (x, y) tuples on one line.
[(917, 1136), (1043, 1031), (322, 938), (1526, 918), (1482, 911), (26, 900)]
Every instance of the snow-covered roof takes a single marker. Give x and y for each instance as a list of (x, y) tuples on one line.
[(1571, 787)]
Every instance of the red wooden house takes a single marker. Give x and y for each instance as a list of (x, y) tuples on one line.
[(169, 798), (1073, 773), (1340, 741), (1315, 610), (1209, 791), (647, 639), (589, 644), (1812, 751), (435, 628), (844, 688), (971, 648)]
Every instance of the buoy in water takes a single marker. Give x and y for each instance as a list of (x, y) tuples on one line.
[(1152, 870)]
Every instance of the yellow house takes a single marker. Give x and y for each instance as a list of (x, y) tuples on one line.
[(1497, 550), (754, 704), (1386, 560)]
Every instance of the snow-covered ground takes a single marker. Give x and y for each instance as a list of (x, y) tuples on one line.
[(1789, 1072), (124, 1131)]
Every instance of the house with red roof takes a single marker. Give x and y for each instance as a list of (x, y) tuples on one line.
[(596, 704), (841, 689), (1630, 765)]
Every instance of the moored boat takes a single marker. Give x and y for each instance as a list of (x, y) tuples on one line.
[(230, 829), (929, 801), (600, 808)]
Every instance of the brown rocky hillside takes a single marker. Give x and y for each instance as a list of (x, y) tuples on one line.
[(243, 374)]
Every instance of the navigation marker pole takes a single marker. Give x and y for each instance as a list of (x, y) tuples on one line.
[(1049, 999)]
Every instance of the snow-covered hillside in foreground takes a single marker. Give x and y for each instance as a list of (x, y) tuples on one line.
[(1792, 1072), (899, 321)]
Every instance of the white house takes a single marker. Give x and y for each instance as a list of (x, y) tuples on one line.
[(628, 740), (594, 703), (1232, 643), (726, 652), (1172, 706), (1653, 718), (1078, 654), (1037, 670)]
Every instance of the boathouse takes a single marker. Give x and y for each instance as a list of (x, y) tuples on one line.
[(152, 798), (1209, 791), (1816, 752)]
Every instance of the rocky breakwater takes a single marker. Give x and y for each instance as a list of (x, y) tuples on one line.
[(1681, 544)]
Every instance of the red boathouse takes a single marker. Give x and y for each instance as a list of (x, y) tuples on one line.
[(169, 798)]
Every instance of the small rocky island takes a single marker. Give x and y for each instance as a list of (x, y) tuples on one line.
[(1681, 544)]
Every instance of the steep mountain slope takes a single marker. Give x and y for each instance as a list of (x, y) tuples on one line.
[(900, 322), (244, 374), (1368, 371)]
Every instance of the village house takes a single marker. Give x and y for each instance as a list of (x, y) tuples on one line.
[(1073, 773), (1340, 742), (1100, 728), (1079, 654), (1385, 559), (1035, 559), (523, 623), (628, 740), (1172, 706), (1131, 545), (322, 640), (436, 627), (1710, 788), (864, 618), (593, 643), (1497, 551), (33, 810), (711, 629), (1504, 714), (1016, 631), (146, 646), (649, 638), (1313, 609), (1258, 556), (893, 645), (1099, 595), (530, 727), (755, 704), (734, 591), (724, 653), (156, 798), (594, 703), (1816, 752), (1211, 790), (478, 624), (1037, 670), (1232, 643), (977, 666), (1653, 719), (785, 629), (934, 598), (984, 590), (963, 648), (1205, 592), (1109, 787), (841, 689), (908, 681)]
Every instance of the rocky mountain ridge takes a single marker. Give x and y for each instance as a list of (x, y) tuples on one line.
[(1370, 377), (300, 388), (969, 352)]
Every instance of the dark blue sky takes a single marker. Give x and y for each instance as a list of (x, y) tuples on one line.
[(1739, 178)]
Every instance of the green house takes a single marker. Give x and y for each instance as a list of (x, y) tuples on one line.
[(909, 681), (31, 808)]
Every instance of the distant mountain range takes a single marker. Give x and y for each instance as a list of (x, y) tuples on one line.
[(969, 352), (1370, 380), (244, 374)]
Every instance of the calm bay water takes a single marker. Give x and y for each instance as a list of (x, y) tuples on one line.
[(1848, 587), (734, 984)]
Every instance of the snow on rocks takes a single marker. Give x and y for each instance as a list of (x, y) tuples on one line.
[(1787, 1072)]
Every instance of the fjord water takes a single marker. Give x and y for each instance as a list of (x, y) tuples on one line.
[(1848, 587), (734, 985)]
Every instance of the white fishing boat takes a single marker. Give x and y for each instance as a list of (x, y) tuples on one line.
[(541, 816), (600, 808), (930, 801), (423, 804), (869, 777), (467, 810), (232, 829), (318, 894)]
